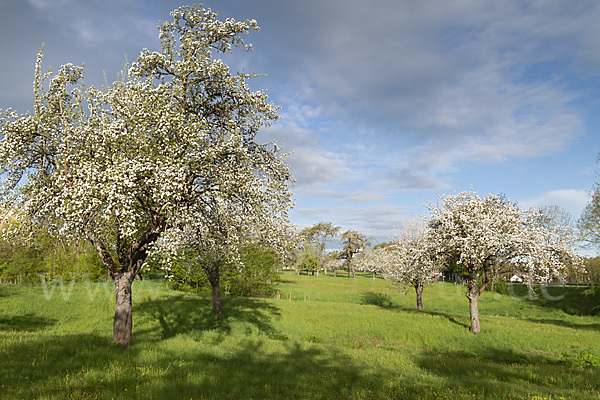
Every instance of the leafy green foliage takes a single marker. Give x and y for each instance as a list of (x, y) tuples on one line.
[(258, 275), (308, 259), (50, 259), (377, 299), (21, 265), (497, 284), (592, 270)]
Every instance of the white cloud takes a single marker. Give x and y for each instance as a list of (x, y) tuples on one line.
[(311, 164), (369, 195), (476, 81), (405, 179), (572, 200)]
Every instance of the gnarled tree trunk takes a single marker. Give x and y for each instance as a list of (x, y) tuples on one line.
[(122, 326), (419, 290), (474, 312), (131, 259), (214, 279)]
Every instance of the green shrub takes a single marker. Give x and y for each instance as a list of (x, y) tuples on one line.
[(21, 265), (50, 259), (258, 274), (377, 299)]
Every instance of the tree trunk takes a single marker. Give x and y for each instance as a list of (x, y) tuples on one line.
[(214, 279), (123, 274), (122, 325), (419, 290), (474, 311), (473, 296)]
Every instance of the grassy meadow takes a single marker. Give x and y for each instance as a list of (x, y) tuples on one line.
[(320, 338)]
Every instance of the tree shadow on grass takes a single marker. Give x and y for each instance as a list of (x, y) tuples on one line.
[(508, 373), (384, 301), (51, 366), (451, 318), (575, 301), (254, 370), (28, 322), (183, 315), (88, 366), (567, 324), (572, 300)]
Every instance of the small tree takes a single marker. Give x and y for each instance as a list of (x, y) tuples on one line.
[(491, 237), (592, 270), (560, 222), (210, 239), (308, 259), (367, 260), (318, 235), (353, 243), (409, 259)]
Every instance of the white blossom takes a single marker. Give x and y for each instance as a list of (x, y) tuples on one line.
[(166, 147), (491, 236)]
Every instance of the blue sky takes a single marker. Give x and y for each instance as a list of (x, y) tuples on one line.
[(385, 103)]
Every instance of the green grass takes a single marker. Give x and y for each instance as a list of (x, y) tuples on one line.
[(324, 338)]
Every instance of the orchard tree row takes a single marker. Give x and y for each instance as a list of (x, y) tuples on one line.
[(164, 169), (486, 239)]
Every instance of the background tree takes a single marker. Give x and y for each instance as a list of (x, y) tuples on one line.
[(308, 259), (491, 236), (410, 259), (561, 223), (318, 235), (121, 165), (589, 222), (353, 242), (27, 257), (368, 260), (592, 270), (333, 260), (589, 228)]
